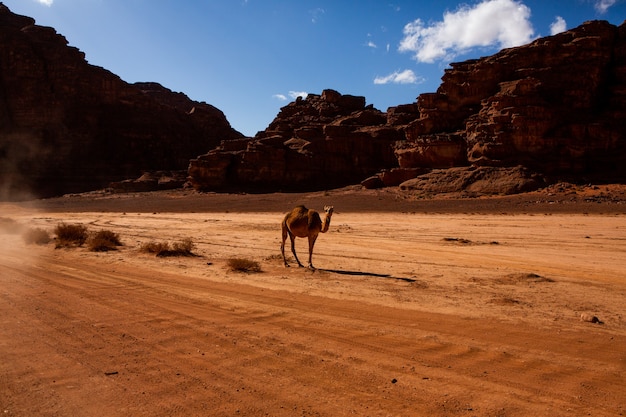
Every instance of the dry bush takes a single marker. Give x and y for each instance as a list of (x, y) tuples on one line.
[(243, 265), (71, 234), (185, 247), (104, 241), (155, 247), (162, 249), (37, 236), (274, 258)]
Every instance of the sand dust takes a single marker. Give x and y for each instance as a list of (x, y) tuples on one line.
[(409, 313)]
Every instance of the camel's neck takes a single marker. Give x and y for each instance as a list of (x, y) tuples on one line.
[(326, 223)]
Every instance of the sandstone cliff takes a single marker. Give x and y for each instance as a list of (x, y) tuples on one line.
[(555, 107), (67, 126), (318, 142)]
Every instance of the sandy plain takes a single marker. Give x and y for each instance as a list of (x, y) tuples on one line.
[(419, 307)]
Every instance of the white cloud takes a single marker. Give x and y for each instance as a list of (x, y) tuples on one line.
[(291, 94), (371, 44), (502, 23), (602, 6), (296, 94), (399, 77), (45, 2), (559, 25), (316, 14)]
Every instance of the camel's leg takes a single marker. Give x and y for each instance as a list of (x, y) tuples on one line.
[(293, 248), (312, 240), (282, 245)]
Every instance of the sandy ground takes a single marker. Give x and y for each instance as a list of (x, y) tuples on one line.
[(417, 308)]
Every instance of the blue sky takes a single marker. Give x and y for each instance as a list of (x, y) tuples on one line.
[(251, 57)]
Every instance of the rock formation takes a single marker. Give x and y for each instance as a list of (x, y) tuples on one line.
[(68, 126), (317, 142), (554, 107), (475, 181), (500, 124)]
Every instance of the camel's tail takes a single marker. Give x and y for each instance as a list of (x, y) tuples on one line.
[(285, 230)]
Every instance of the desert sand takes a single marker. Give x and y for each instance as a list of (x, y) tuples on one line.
[(419, 307)]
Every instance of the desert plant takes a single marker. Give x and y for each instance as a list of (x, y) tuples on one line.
[(162, 249), (155, 247), (184, 247), (104, 241), (70, 234), (243, 265), (37, 236)]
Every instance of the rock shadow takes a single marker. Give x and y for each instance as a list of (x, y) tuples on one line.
[(367, 274)]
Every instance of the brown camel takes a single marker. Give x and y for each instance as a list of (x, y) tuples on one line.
[(302, 222)]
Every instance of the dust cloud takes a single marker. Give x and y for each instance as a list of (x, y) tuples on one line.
[(23, 157)]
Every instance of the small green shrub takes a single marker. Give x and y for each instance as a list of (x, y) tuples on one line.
[(37, 236), (243, 265), (70, 234), (104, 241), (162, 249)]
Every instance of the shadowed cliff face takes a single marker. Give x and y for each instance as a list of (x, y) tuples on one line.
[(68, 126)]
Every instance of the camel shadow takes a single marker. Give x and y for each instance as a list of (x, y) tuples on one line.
[(367, 274)]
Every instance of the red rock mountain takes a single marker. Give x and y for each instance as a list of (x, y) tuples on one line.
[(318, 142), (67, 126), (557, 106), (554, 108)]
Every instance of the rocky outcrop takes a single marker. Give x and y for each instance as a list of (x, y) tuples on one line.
[(68, 126), (475, 181), (556, 106), (150, 181), (317, 142)]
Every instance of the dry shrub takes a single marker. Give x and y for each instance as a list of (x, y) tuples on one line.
[(37, 236), (155, 247), (70, 234), (162, 249), (185, 247), (104, 241), (243, 265), (274, 258)]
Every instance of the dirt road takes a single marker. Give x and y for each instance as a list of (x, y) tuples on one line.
[(408, 314)]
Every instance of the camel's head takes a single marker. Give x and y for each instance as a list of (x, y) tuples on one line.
[(329, 210)]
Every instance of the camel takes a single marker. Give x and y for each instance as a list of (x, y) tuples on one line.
[(302, 222)]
